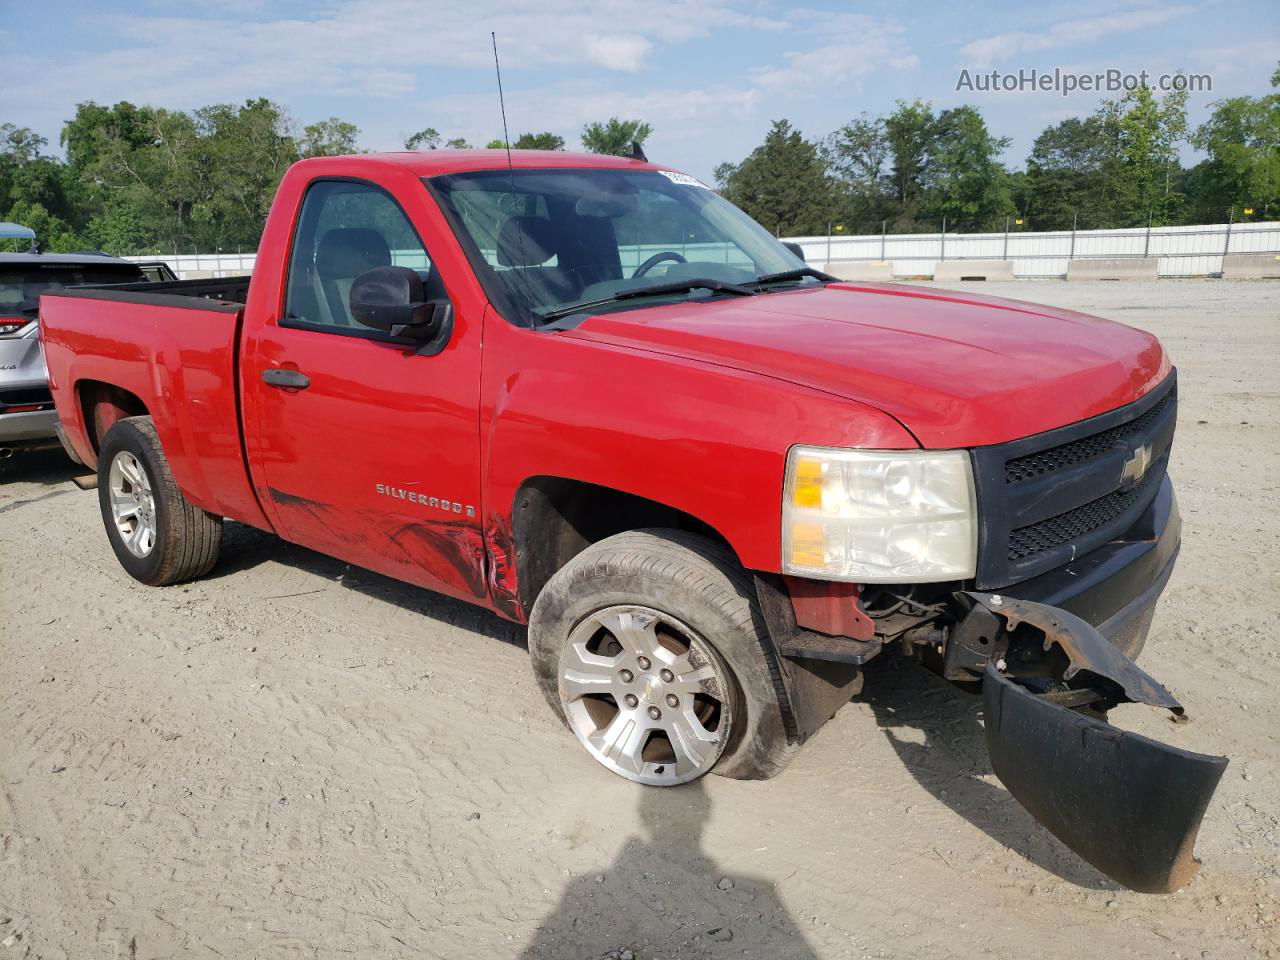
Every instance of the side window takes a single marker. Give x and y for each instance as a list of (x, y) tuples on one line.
[(346, 229)]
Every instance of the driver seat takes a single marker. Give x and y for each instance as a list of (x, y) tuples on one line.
[(342, 255)]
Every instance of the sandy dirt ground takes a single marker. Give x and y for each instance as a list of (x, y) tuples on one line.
[(295, 758)]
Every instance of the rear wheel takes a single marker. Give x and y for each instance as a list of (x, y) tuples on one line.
[(650, 646), (156, 534)]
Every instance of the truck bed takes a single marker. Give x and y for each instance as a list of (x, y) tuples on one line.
[(164, 349), (222, 289)]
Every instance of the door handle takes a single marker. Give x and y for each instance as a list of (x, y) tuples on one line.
[(291, 379)]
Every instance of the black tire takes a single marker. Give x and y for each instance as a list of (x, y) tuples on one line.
[(187, 538), (699, 581)]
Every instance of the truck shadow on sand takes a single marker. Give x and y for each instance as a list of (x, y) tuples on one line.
[(936, 731), (663, 896), (244, 548), (48, 467)]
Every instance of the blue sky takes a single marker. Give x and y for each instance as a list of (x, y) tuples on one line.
[(709, 74)]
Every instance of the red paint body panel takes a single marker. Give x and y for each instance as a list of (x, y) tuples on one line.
[(693, 405), (708, 440), (375, 413), (181, 363), (957, 370)]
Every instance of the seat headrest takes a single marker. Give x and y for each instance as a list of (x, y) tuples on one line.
[(347, 252), (526, 242)]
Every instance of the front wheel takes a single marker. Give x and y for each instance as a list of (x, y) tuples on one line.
[(157, 535), (651, 648)]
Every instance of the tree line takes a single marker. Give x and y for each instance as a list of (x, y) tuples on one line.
[(149, 180), (1120, 166), (141, 179)]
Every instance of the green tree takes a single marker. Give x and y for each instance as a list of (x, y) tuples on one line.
[(1242, 140), (911, 129), (241, 153), (329, 138), (615, 136), (427, 139), (966, 182), (1141, 167), (457, 143), (858, 155), (541, 141), (1065, 177), (783, 184)]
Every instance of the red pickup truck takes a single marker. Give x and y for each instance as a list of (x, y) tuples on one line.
[(591, 395)]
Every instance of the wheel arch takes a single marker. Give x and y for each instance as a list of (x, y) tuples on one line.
[(101, 405), (553, 519)]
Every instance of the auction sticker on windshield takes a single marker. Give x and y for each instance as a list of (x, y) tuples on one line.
[(684, 179)]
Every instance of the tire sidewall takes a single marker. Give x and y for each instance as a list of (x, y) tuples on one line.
[(123, 435)]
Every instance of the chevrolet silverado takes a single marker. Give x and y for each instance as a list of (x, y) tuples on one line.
[(590, 394)]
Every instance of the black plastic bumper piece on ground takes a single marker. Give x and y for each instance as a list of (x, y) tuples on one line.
[(1127, 804)]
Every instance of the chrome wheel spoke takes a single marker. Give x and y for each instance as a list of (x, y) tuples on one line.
[(633, 630), (124, 506), (583, 673), (131, 472), (623, 740), (694, 744), (137, 540)]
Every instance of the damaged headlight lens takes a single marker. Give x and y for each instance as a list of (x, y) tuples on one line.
[(879, 516)]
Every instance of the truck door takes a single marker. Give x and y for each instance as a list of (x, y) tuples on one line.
[(361, 447)]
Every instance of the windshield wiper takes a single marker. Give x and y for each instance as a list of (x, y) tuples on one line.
[(799, 273), (674, 286)]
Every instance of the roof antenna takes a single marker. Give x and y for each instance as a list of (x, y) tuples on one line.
[(502, 103), (637, 152), (511, 170)]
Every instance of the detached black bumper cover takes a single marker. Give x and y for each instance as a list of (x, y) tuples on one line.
[(1129, 805)]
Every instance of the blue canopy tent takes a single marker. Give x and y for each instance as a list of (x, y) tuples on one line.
[(15, 231)]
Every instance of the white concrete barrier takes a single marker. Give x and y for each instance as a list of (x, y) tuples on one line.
[(1251, 266), (953, 271), (860, 269), (1114, 268)]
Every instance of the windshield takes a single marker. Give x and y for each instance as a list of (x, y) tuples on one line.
[(21, 285), (545, 240)]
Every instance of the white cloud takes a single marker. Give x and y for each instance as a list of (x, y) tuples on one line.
[(373, 47), (848, 46), (988, 51), (625, 52)]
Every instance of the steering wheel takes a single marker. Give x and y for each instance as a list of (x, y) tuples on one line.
[(656, 259)]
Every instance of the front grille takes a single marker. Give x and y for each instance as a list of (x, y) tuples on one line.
[(1036, 538), (1085, 449), (1046, 499)]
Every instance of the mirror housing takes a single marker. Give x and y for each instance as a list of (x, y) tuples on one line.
[(796, 249), (393, 299)]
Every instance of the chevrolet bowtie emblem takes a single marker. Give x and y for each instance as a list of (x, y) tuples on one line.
[(1135, 468)]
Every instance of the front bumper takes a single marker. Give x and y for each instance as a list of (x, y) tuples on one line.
[(1114, 588)]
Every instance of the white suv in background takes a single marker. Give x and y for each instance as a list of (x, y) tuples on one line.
[(27, 416)]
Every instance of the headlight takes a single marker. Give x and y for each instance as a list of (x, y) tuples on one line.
[(879, 516)]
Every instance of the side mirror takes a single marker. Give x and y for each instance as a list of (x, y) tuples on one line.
[(795, 248), (393, 299)]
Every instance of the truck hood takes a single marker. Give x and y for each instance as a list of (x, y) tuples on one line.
[(957, 370)]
